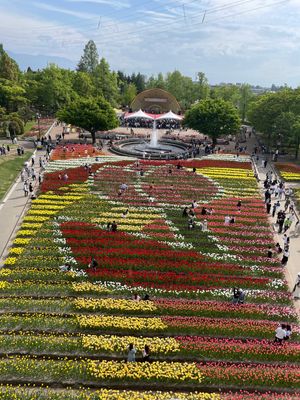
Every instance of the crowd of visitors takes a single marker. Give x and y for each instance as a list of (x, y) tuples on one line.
[(284, 215), (30, 177)]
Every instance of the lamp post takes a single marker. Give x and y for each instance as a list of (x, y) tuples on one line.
[(38, 117)]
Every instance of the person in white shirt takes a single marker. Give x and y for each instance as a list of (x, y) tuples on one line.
[(227, 220), (296, 290), (280, 333)]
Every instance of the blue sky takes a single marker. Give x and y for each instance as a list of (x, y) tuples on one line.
[(255, 41)]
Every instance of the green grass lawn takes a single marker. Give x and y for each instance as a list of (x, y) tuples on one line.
[(29, 125), (9, 169)]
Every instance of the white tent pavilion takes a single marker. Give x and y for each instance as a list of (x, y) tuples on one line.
[(138, 114), (170, 115)]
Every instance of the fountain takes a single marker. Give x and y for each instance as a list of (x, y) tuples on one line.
[(155, 149), (153, 139)]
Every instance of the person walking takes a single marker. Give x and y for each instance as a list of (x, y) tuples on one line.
[(280, 333), (296, 289), (146, 353), (287, 224), (268, 205), (30, 188), (25, 188), (285, 256), (275, 206), (131, 353)]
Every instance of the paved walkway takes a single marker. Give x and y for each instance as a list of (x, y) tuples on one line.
[(13, 208), (293, 265)]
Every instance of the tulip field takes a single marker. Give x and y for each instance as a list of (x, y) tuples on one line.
[(65, 333)]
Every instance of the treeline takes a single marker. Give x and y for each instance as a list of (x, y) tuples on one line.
[(46, 91), (23, 95)]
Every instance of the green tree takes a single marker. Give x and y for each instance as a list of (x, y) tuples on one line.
[(182, 87), (12, 95), (13, 124), (226, 92), (139, 81), (156, 82), (296, 136), (90, 58), (8, 67), (264, 111), (82, 84), (213, 118), (90, 114), (246, 96), (106, 82), (129, 93), (50, 89), (202, 86)]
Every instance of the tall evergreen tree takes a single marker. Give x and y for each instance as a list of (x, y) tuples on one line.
[(8, 67), (90, 58)]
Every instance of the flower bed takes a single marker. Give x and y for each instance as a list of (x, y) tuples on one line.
[(289, 171), (187, 273)]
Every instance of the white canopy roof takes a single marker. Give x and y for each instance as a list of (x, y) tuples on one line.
[(138, 114), (170, 115)]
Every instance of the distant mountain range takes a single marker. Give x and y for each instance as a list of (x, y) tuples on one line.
[(40, 61)]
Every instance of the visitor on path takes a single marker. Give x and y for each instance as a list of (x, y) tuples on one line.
[(146, 353), (286, 240), (30, 187), (93, 264), (232, 220), (125, 213), (280, 220), (136, 297), (280, 333), (65, 177), (286, 204), (287, 224), (296, 289), (25, 188), (185, 212), (204, 226), (268, 205), (238, 296), (123, 187), (32, 161), (270, 252), (285, 256), (194, 204), (288, 332), (239, 205), (114, 226), (131, 353), (278, 248), (65, 268), (276, 205), (227, 220), (191, 223)]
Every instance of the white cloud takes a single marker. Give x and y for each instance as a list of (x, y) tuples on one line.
[(112, 3), (61, 10), (35, 36)]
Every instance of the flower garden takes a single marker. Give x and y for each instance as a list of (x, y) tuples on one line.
[(289, 171), (64, 335)]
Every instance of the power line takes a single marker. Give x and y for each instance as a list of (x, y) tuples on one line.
[(44, 29), (120, 36)]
